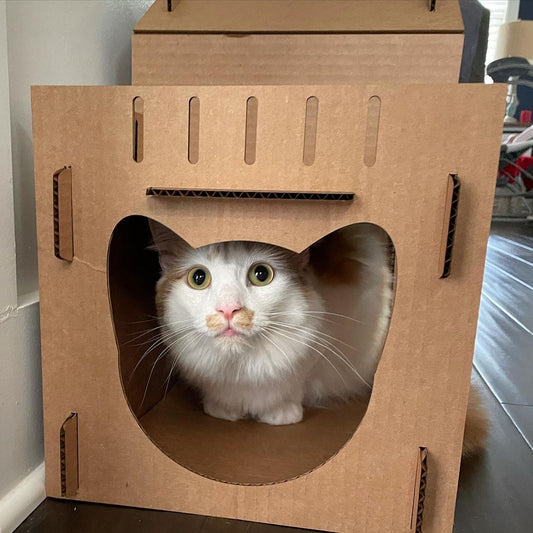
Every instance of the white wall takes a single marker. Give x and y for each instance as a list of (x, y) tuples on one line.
[(58, 42), (21, 449), (67, 42), (8, 292)]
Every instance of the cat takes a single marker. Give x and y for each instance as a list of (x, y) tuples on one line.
[(249, 326)]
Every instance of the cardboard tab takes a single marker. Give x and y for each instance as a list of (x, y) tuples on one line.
[(419, 495), (69, 456), (448, 226), (63, 233)]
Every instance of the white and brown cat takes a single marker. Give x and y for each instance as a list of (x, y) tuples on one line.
[(249, 325)]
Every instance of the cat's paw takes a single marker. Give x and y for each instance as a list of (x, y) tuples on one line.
[(288, 413), (216, 410)]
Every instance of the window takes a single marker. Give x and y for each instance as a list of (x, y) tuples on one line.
[(500, 11)]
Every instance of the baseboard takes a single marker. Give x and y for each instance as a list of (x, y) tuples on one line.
[(17, 504)]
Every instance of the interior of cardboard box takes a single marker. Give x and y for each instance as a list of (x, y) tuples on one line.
[(170, 413)]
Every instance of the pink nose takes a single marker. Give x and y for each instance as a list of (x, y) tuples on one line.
[(228, 310)]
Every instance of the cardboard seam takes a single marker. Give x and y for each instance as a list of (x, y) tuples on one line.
[(230, 33), (90, 265)]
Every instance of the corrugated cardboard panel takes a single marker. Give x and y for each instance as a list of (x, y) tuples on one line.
[(420, 392), (184, 59), (301, 16)]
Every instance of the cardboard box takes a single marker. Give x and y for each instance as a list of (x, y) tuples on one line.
[(271, 42), (102, 155)]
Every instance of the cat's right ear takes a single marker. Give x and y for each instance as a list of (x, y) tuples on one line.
[(169, 245)]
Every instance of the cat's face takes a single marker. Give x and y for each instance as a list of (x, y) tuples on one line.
[(229, 296)]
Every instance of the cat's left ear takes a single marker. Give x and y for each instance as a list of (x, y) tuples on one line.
[(169, 245), (304, 258)]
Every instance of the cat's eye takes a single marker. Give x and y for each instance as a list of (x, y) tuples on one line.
[(199, 278), (260, 274)]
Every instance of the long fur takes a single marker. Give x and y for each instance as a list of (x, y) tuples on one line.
[(476, 426), (313, 336)]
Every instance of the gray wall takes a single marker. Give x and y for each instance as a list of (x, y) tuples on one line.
[(58, 42)]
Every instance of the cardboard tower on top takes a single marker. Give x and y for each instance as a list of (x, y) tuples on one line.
[(225, 151)]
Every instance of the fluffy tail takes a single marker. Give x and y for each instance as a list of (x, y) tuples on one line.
[(476, 427)]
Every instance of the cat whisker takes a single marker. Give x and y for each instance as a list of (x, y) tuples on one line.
[(327, 313), (335, 351), (176, 358), (162, 340), (282, 334), (316, 332), (155, 338), (159, 327), (151, 319), (159, 358), (140, 335), (161, 335), (291, 366), (147, 352)]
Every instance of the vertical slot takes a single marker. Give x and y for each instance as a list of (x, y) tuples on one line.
[(62, 205), (194, 130), (250, 141), (169, 5), (432, 5), (311, 123), (372, 130), (138, 129)]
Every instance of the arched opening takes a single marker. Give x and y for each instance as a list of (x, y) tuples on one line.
[(354, 270)]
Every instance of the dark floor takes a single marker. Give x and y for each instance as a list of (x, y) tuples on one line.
[(496, 495), (495, 491)]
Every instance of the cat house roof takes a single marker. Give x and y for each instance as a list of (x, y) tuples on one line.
[(302, 16)]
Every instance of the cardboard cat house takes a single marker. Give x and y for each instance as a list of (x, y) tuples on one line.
[(287, 166)]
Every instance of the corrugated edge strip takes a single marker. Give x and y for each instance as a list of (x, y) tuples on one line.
[(62, 213), (451, 226), (431, 5), (56, 213), (422, 489), (255, 195), (68, 455)]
